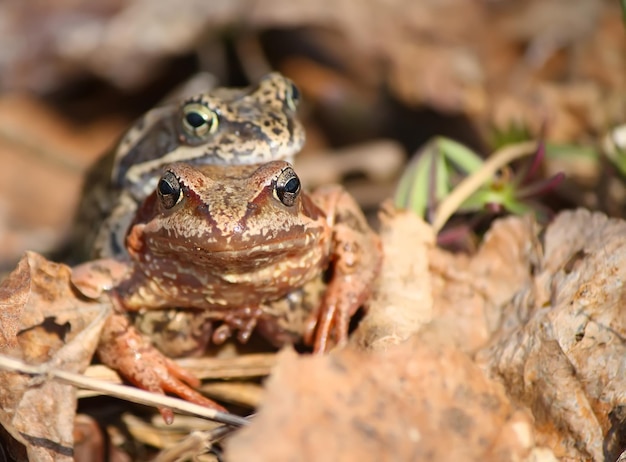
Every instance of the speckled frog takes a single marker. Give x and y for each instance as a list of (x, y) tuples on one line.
[(226, 126), (234, 242)]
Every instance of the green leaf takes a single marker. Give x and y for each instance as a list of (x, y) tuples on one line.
[(416, 189), (460, 155)]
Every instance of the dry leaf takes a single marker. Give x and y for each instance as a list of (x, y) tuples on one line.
[(402, 302), (560, 346), (49, 324), (469, 292), (13, 295), (420, 400)]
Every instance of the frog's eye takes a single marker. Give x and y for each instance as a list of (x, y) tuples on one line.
[(293, 96), (199, 120), (287, 187), (169, 190)]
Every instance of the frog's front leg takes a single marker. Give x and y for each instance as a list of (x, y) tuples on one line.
[(125, 350), (356, 257)]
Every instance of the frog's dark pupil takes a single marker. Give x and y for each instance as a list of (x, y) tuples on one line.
[(166, 188), (292, 185), (169, 190), (195, 120)]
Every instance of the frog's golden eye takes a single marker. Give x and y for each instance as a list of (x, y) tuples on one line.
[(293, 96), (199, 120), (169, 190), (287, 187)]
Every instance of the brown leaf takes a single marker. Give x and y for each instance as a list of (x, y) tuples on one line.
[(469, 292), (403, 300), (560, 345), (49, 325), (13, 295), (421, 400)]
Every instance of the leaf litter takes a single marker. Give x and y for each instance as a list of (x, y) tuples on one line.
[(548, 314), (44, 324), (540, 312), (512, 353)]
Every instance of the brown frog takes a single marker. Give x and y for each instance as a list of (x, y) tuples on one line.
[(235, 242), (227, 126)]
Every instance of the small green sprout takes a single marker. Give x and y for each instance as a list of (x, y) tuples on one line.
[(431, 188)]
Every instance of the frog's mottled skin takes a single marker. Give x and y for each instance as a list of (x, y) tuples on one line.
[(237, 242), (226, 126), (228, 242)]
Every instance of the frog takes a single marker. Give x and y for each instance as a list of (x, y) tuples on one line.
[(227, 126), (236, 242)]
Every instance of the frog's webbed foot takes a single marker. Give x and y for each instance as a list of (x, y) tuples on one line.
[(356, 257), (243, 320), (123, 349)]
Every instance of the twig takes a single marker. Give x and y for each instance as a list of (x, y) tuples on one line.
[(132, 394)]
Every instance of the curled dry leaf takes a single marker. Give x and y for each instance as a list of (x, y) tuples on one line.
[(469, 292), (403, 301), (560, 344), (13, 296), (421, 400), (44, 322)]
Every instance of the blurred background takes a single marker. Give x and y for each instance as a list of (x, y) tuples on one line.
[(378, 77)]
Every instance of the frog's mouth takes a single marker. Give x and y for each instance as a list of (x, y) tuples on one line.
[(255, 251)]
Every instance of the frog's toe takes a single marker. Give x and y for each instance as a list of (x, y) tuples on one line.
[(221, 334), (319, 328), (162, 381), (170, 377), (173, 385), (167, 376), (180, 373), (328, 324)]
